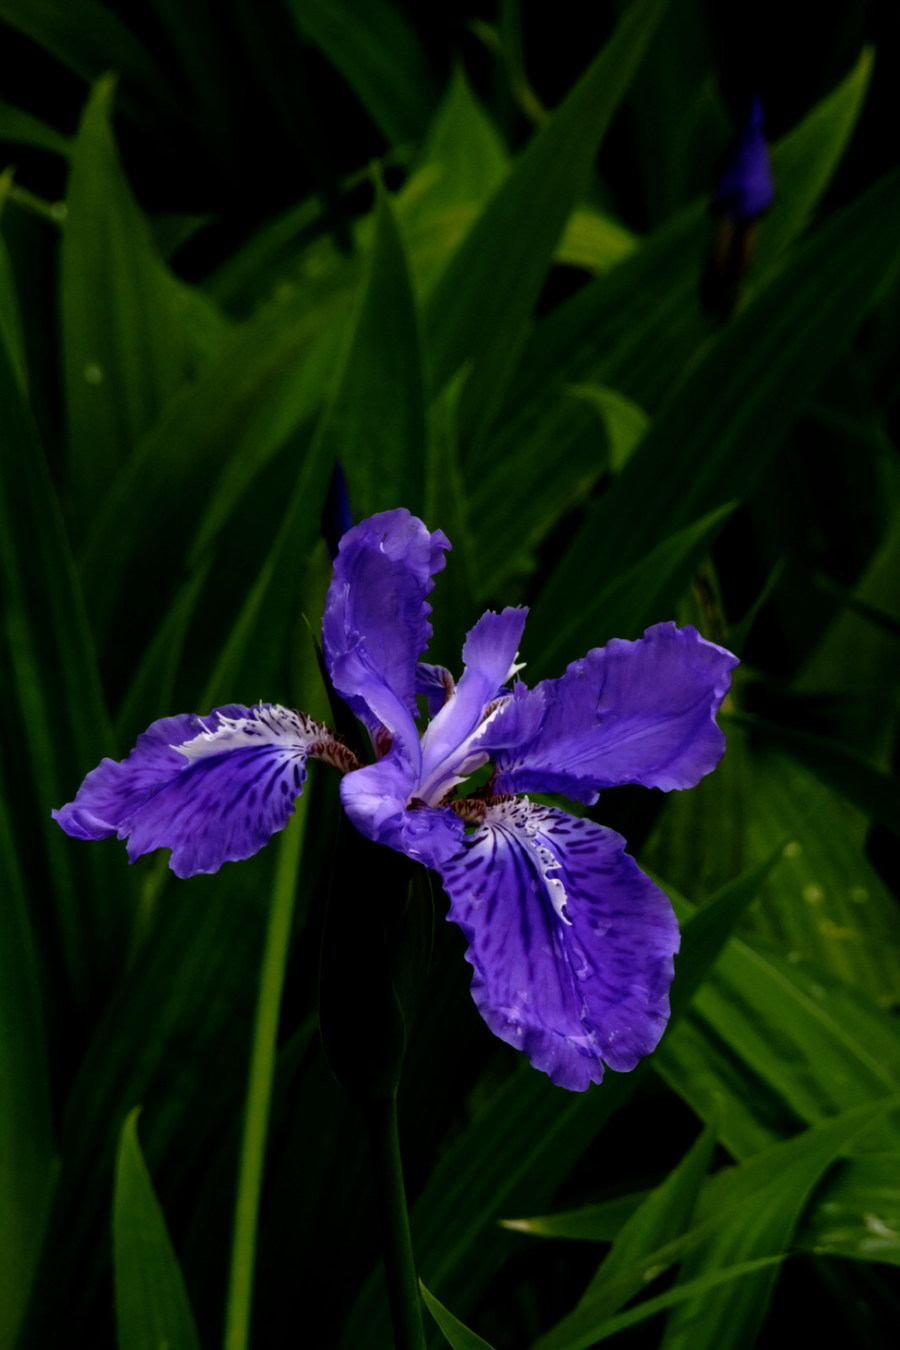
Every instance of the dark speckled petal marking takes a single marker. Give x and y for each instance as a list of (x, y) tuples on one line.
[(570, 943)]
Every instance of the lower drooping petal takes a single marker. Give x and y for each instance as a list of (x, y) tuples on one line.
[(212, 789), (630, 712), (570, 942)]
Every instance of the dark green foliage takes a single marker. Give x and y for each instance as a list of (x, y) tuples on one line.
[(460, 252)]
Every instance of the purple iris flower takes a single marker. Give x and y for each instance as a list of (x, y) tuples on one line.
[(571, 944), (745, 189)]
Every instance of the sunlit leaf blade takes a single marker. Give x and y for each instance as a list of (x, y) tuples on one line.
[(130, 331), (763, 1202), (87, 37), (152, 1305), (378, 54), (712, 440), (481, 303), (458, 1337), (27, 1148)]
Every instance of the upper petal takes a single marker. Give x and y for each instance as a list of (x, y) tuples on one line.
[(630, 712), (212, 789), (450, 745), (376, 625), (571, 944)]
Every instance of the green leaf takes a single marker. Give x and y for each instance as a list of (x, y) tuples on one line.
[(88, 38), (713, 438), (458, 1337), (375, 422), (25, 129), (56, 711), (379, 56), (10, 317), (644, 594), (624, 422), (132, 334), (152, 1305), (665, 1214), (804, 162), (857, 1211), (247, 402), (769, 1045), (27, 1148), (875, 793), (480, 306), (762, 1202)]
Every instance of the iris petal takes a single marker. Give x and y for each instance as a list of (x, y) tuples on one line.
[(571, 944), (450, 747), (212, 789), (630, 712), (376, 619)]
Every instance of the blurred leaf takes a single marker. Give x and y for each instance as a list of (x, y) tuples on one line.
[(152, 1306), (862, 659), (581, 1340), (804, 162), (874, 793), (375, 423), (458, 1337), (623, 421), (770, 1045), (592, 1223), (11, 334), (27, 1150), (246, 403), (713, 438), (762, 1202), (480, 306), (378, 54), (644, 594), (260, 1080), (55, 712), (665, 1214), (744, 1219), (132, 334), (857, 1211), (827, 902), (23, 128), (87, 37)]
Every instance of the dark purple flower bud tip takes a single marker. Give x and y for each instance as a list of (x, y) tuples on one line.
[(745, 189)]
